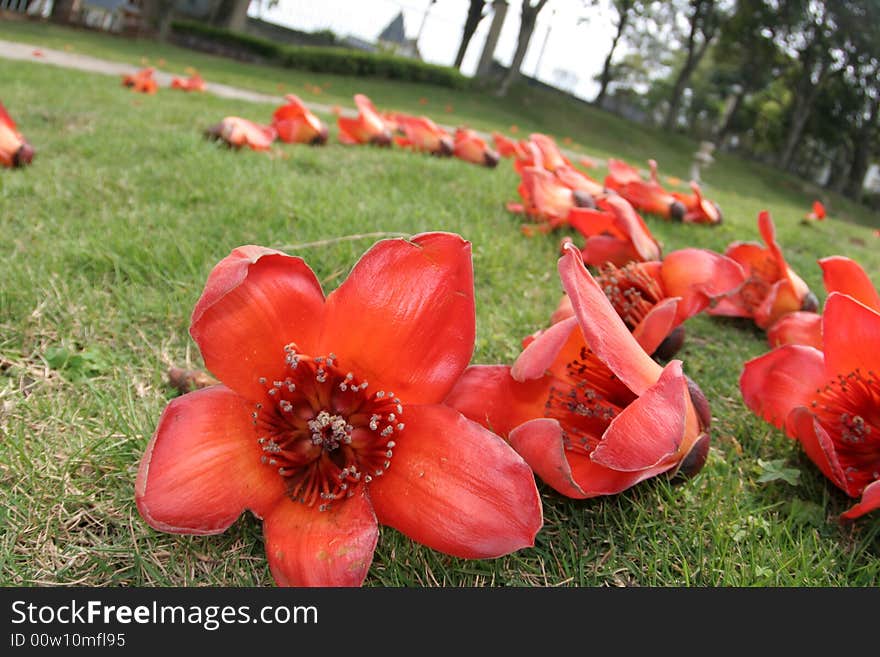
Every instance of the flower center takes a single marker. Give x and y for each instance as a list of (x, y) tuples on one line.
[(322, 432), (848, 408), (632, 291), (585, 401)]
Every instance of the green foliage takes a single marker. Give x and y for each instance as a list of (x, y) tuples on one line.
[(340, 61)]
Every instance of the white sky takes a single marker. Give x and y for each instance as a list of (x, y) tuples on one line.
[(572, 57)]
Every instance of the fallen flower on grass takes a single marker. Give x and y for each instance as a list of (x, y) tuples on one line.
[(237, 132), (817, 213), (839, 274), (698, 209), (15, 151), (329, 418), (585, 405), (194, 82), (655, 298), (507, 147), (367, 128), (614, 232), (645, 195), (829, 399), (142, 81), (546, 199), (771, 288), (294, 123), (470, 147), (420, 134)]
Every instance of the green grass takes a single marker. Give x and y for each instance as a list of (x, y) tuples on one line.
[(107, 240)]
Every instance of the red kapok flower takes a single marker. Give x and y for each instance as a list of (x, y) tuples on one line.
[(654, 298), (507, 147), (771, 288), (329, 418), (295, 124), (470, 147), (698, 209), (645, 195), (142, 81), (236, 132), (584, 404), (546, 199), (15, 151), (614, 233), (194, 82), (818, 212), (828, 400), (840, 274), (541, 151), (421, 134), (367, 128)]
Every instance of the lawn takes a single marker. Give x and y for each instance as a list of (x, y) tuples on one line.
[(107, 240)]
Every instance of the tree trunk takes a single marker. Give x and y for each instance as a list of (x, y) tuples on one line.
[(529, 17), (474, 16), (231, 14), (694, 55), (725, 127), (862, 153), (840, 167), (803, 107), (605, 78)]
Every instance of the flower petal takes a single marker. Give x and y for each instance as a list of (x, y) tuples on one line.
[(632, 225), (539, 442), (202, 467), (538, 357), (799, 327), (851, 334), (604, 331), (775, 383), (698, 276), (457, 488), (488, 395), (657, 324), (870, 501), (600, 249), (843, 275), (802, 425), (651, 429), (308, 547), (256, 301), (404, 317)]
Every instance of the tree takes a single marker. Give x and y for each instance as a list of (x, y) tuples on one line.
[(703, 24), (474, 16), (158, 15), (231, 14), (626, 9), (528, 18)]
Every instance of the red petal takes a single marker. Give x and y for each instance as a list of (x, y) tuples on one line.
[(622, 172), (604, 331), (457, 488), (488, 395), (753, 257), (202, 467), (630, 224), (650, 430), (539, 442), (255, 302), (780, 300), (843, 275), (851, 333), (404, 317), (797, 328), (602, 248), (537, 358), (698, 276), (870, 501), (656, 325), (775, 383), (802, 425), (308, 547)]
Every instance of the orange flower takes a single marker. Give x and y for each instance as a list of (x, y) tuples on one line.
[(541, 151), (367, 128), (194, 82), (294, 123), (584, 404), (420, 133), (839, 274), (546, 200), (647, 196), (614, 233), (698, 210), (771, 288), (329, 419), (470, 147), (236, 132), (507, 147), (828, 400), (15, 151), (142, 81), (818, 212)]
